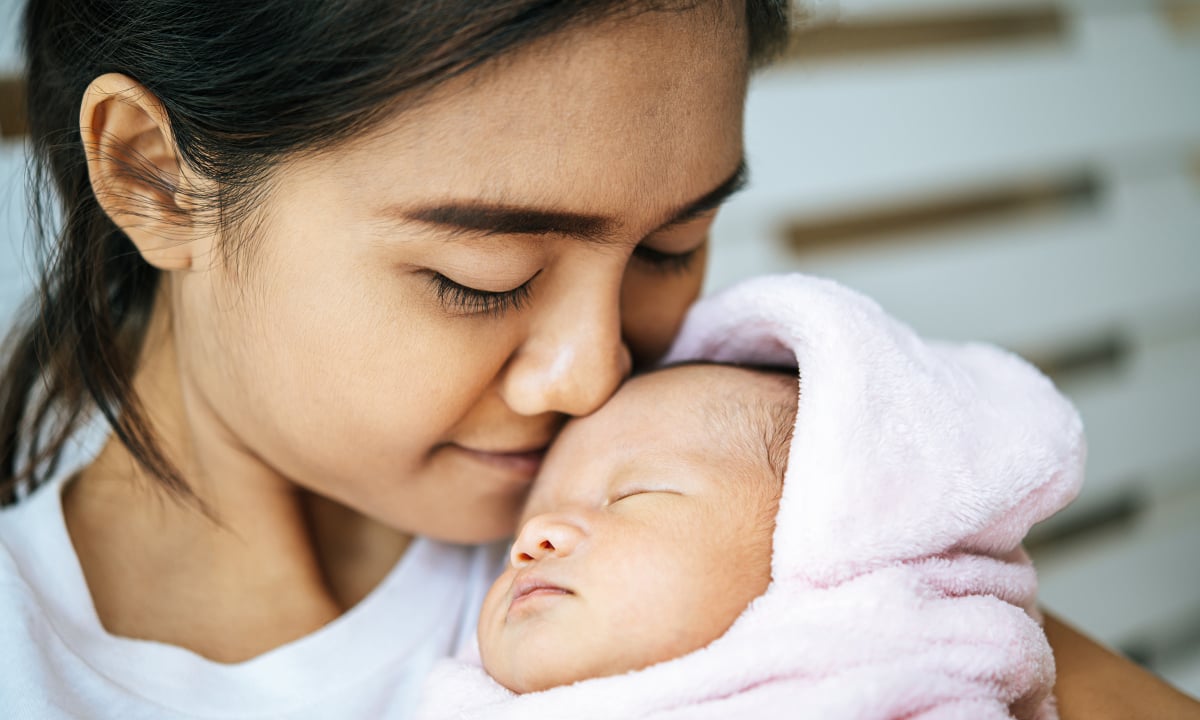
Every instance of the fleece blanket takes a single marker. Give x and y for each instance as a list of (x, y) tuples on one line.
[(899, 585)]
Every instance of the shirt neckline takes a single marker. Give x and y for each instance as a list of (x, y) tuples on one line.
[(383, 628)]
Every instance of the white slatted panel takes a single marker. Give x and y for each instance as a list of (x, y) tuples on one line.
[(15, 281), (1116, 101), (10, 58), (836, 136)]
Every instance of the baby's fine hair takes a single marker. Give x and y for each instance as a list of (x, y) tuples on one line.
[(770, 416)]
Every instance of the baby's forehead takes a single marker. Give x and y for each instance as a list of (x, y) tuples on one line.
[(726, 400), (710, 384), (699, 412)]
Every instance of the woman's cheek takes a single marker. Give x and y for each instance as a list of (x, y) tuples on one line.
[(653, 305)]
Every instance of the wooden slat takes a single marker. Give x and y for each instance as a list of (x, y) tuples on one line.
[(1141, 424), (958, 30), (12, 108), (1076, 525), (1133, 587), (955, 209), (831, 139), (851, 10), (1105, 354), (1183, 16), (1031, 284)]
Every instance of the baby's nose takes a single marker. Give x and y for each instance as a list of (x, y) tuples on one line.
[(544, 536)]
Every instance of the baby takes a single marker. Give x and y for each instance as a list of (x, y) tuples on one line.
[(719, 541), (648, 530)]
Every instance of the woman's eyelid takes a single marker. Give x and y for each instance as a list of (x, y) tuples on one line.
[(698, 215), (692, 236), (455, 277), (473, 301)]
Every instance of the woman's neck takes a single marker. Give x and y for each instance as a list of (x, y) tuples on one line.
[(276, 564)]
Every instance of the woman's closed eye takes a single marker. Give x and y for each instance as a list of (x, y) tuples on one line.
[(665, 262), (461, 299), (675, 249)]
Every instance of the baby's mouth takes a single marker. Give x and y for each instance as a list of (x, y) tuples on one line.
[(528, 588)]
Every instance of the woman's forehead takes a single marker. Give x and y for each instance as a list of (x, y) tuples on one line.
[(608, 120)]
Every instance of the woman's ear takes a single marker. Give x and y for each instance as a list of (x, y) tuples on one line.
[(137, 174)]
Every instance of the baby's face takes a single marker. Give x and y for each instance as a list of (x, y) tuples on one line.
[(645, 536)]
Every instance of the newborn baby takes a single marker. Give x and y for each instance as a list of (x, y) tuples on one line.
[(841, 542), (648, 530)]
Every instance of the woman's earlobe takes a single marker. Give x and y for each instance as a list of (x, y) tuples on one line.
[(136, 171)]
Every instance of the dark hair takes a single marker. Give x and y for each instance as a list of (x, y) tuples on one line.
[(244, 86)]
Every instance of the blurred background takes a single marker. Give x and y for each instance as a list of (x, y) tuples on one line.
[(1020, 171), (1025, 172)]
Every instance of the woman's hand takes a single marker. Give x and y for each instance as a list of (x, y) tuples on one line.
[(1095, 683)]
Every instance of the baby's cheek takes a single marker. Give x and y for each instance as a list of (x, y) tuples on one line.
[(490, 630), (735, 574)]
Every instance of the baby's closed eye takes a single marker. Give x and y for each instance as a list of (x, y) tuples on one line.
[(627, 493)]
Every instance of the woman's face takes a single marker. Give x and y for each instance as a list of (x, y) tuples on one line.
[(416, 314)]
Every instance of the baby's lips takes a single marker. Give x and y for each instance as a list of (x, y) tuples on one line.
[(526, 585)]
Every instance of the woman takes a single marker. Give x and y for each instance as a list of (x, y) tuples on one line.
[(331, 275)]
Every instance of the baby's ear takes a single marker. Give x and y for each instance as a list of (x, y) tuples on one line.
[(137, 173)]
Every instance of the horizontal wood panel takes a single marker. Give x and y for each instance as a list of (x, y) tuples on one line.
[(954, 209), (1184, 17), (1142, 423), (1104, 355), (830, 139), (1033, 285), (13, 123), (923, 33), (1134, 586), (854, 9)]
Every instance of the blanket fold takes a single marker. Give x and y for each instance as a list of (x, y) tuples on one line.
[(899, 586)]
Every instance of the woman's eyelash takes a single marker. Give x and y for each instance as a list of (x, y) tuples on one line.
[(471, 301), (667, 263)]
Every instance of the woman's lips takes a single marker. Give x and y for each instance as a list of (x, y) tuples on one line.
[(521, 462)]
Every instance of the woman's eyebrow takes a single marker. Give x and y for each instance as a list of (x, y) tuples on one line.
[(482, 218), (714, 198)]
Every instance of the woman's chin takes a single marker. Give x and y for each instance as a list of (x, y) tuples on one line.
[(472, 521)]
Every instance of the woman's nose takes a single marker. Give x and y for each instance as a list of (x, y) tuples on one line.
[(572, 362), (544, 536)]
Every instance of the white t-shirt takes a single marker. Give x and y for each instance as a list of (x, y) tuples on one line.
[(57, 661)]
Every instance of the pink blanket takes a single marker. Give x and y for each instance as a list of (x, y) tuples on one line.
[(899, 586)]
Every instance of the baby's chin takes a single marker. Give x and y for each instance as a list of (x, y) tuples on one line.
[(547, 675), (527, 670), (516, 663)]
